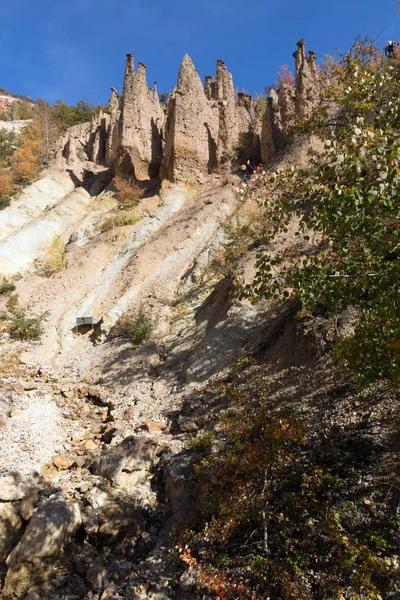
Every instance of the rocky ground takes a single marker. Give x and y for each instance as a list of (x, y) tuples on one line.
[(93, 472)]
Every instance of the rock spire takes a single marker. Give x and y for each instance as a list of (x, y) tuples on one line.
[(201, 129)]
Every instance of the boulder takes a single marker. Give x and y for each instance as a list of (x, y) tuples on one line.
[(10, 529), (14, 486), (50, 529), (132, 454), (110, 523), (178, 474)]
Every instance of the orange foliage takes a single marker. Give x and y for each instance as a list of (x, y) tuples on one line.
[(6, 185), (128, 192), (26, 162)]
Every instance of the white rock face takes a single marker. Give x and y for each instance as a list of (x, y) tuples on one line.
[(14, 126), (33, 200), (19, 251)]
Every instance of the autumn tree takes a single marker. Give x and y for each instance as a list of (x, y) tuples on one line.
[(6, 185)]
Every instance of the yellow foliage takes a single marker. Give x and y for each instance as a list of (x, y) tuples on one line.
[(55, 261), (25, 163)]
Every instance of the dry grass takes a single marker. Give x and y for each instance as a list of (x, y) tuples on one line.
[(55, 261), (120, 219)]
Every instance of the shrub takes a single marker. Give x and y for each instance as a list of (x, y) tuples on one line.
[(120, 219), (55, 261), (20, 324), (128, 192), (25, 162), (271, 519), (8, 144), (6, 286), (137, 326), (202, 442)]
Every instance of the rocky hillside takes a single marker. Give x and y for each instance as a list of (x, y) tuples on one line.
[(106, 426)]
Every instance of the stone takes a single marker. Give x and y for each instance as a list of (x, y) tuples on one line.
[(192, 407), (98, 496), (15, 412), (187, 424), (50, 529), (80, 461), (30, 386), (90, 445), (28, 504), (32, 596), (14, 486), (118, 519), (132, 454), (63, 461), (10, 529), (188, 581), (109, 592), (178, 474), (153, 426), (96, 575), (129, 481)]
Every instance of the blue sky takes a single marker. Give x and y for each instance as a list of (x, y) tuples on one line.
[(75, 49)]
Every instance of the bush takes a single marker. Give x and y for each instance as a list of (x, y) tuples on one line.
[(271, 517), (136, 326), (8, 144), (128, 192), (6, 286), (120, 219), (55, 261), (20, 324), (202, 442)]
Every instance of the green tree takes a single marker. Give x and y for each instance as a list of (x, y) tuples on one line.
[(66, 115), (349, 196), (8, 144)]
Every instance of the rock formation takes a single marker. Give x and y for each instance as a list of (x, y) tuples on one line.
[(307, 87), (191, 129), (290, 103), (201, 128), (206, 127), (139, 148)]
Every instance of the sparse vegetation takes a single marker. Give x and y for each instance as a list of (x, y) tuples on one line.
[(119, 219), (128, 193), (55, 257), (6, 286), (137, 326), (20, 323), (202, 442), (275, 512)]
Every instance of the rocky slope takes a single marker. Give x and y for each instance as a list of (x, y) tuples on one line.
[(93, 472)]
